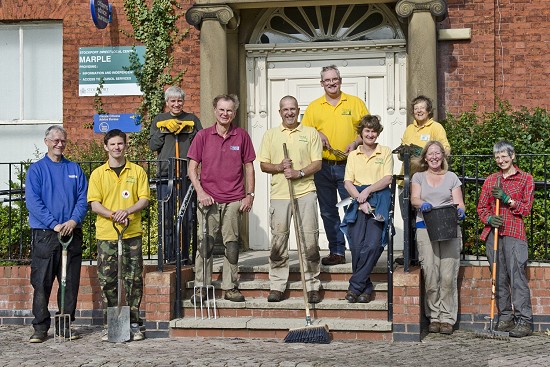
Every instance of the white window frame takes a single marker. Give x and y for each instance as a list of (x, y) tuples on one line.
[(20, 118)]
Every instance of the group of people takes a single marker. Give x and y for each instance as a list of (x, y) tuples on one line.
[(57, 197), (331, 152)]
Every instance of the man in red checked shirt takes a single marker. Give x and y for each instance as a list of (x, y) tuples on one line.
[(515, 193)]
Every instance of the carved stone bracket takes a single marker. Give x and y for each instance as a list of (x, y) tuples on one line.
[(223, 13), (438, 8)]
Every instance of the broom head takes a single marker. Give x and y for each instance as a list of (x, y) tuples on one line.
[(317, 334)]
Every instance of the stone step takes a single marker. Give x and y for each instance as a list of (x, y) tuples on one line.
[(260, 327), (260, 288), (293, 308)]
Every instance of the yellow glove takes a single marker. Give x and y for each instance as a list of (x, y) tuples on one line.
[(185, 126), (168, 126)]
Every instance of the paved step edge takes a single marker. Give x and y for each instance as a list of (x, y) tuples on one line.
[(293, 285), (280, 324), (333, 269), (296, 303)]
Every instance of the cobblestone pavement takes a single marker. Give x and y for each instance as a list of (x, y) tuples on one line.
[(460, 349)]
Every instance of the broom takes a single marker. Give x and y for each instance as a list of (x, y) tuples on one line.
[(310, 333), (491, 333)]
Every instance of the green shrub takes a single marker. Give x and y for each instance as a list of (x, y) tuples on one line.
[(472, 138)]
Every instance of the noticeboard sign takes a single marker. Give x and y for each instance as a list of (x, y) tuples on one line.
[(107, 63), (127, 122)]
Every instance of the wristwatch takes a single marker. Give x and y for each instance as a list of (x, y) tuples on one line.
[(302, 173), (251, 194)]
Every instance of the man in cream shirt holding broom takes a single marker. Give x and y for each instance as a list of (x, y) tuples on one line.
[(305, 155)]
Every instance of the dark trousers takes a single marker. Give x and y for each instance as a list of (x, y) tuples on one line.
[(366, 248), (45, 267), (329, 182), (168, 243)]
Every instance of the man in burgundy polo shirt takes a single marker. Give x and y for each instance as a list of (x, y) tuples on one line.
[(220, 158)]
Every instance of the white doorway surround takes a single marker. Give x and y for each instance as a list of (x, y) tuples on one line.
[(378, 77), (284, 56)]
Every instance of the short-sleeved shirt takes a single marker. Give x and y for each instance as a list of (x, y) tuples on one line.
[(420, 135), (339, 124), (437, 196), (304, 146), (364, 170), (521, 188), (222, 160), (118, 193)]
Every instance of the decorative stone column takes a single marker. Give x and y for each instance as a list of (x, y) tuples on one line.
[(422, 44), (212, 22)]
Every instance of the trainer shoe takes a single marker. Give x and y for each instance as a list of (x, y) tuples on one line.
[(104, 335), (135, 332), (234, 295), (333, 259), (38, 336), (506, 325), (522, 328), (275, 296)]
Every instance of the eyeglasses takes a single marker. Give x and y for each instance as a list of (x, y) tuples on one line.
[(502, 158), (331, 81), (58, 141)]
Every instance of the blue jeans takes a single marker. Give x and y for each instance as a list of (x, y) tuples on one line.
[(329, 181)]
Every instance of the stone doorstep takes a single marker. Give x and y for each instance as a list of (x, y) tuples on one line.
[(380, 268), (293, 285), (297, 304), (334, 324)]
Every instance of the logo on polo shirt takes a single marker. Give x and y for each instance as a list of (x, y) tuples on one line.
[(125, 194), (234, 147), (73, 176), (346, 112)]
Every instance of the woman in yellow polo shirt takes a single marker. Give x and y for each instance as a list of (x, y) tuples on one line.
[(368, 174)]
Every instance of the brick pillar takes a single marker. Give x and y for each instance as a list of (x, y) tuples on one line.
[(407, 310), (158, 297)]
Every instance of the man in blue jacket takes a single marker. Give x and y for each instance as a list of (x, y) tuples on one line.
[(55, 192)]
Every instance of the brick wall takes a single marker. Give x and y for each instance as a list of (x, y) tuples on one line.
[(79, 31), (506, 57)]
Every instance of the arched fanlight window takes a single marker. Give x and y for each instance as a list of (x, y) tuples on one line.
[(355, 22)]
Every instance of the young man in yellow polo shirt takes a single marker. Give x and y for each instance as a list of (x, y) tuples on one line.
[(304, 150), (335, 116), (118, 192)]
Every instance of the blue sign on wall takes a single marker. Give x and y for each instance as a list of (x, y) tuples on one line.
[(127, 122), (102, 13)]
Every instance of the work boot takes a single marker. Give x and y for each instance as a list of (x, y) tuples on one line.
[(446, 328), (351, 297), (234, 295), (275, 296), (434, 327), (522, 328), (38, 336), (200, 294), (313, 297), (333, 259), (68, 334), (506, 325), (364, 298)]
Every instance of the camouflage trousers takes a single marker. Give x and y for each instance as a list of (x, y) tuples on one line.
[(132, 274)]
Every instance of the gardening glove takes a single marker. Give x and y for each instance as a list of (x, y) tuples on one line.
[(415, 150), (499, 193), (168, 126), (495, 221), (461, 214), (425, 207), (185, 127)]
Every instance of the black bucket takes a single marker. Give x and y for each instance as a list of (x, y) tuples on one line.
[(441, 223)]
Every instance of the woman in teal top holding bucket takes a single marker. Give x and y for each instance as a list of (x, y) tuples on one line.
[(437, 196)]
